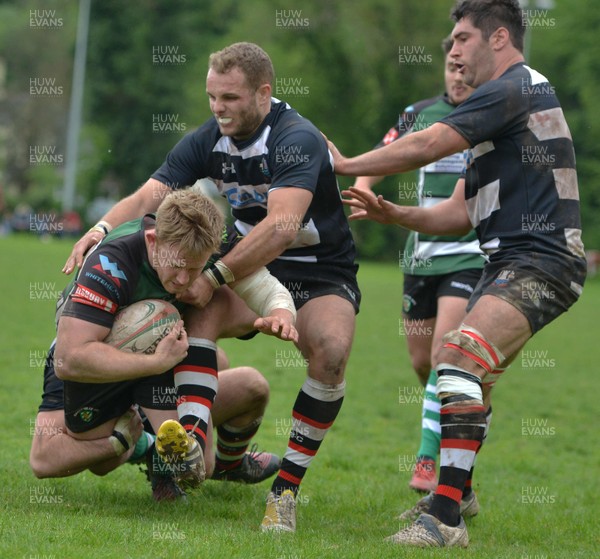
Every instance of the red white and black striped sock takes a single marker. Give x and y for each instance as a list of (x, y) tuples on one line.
[(315, 410), (462, 420), (489, 381), (469, 483), (196, 383), (232, 443)]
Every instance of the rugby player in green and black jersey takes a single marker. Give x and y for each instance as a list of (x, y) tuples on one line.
[(521, 195), (96, 384)]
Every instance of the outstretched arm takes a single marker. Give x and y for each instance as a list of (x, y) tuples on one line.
[(449, 217), (405, 154), (144, 200), (268, 297)]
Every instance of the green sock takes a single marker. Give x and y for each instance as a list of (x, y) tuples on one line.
[(142, 445), (430, 423)]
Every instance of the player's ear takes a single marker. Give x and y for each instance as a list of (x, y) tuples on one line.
[(264, 92), (151, 238), (500, 38)]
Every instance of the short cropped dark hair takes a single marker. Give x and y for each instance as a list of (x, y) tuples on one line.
[(489, 15)]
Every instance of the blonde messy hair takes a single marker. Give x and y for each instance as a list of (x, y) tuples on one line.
[(191, 221)]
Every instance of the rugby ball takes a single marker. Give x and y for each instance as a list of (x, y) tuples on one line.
[(140, 326)]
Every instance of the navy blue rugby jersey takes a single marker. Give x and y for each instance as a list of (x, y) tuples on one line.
[(521, 183), (286, 151)]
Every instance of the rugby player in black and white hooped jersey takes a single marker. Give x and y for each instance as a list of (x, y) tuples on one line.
[(521, 196), (274, 168), (440, 272)]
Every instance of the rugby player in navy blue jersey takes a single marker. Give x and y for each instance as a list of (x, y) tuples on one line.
[(274, 168), (521, 196)]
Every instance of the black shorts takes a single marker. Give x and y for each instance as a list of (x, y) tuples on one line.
[(308, 280), (52, 395), (421, 293), (539, 286), (89, 405), (304, 280)]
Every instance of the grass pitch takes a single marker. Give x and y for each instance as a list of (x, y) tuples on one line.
[(536, 477)]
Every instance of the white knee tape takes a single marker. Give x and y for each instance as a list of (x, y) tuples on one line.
[(452, 384), (324, 392)]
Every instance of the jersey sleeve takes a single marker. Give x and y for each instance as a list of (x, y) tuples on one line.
[(186, 162), (495, 109), (102, 287), (297, 157)]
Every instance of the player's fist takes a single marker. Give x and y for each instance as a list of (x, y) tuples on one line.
[(172, 349)]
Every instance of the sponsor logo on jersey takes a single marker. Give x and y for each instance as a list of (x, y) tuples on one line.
[(110, 269), (109, 285), (228, 169), (87, 296), (240, 197)]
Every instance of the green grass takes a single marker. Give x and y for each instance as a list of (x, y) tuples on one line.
[(357, 484)]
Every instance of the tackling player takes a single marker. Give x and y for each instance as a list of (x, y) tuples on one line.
[(522, 197), (440, 271), (273, 167)]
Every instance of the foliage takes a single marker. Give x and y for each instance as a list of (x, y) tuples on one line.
[(342, 54)]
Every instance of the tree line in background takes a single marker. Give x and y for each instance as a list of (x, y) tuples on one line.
[(350, 66)]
